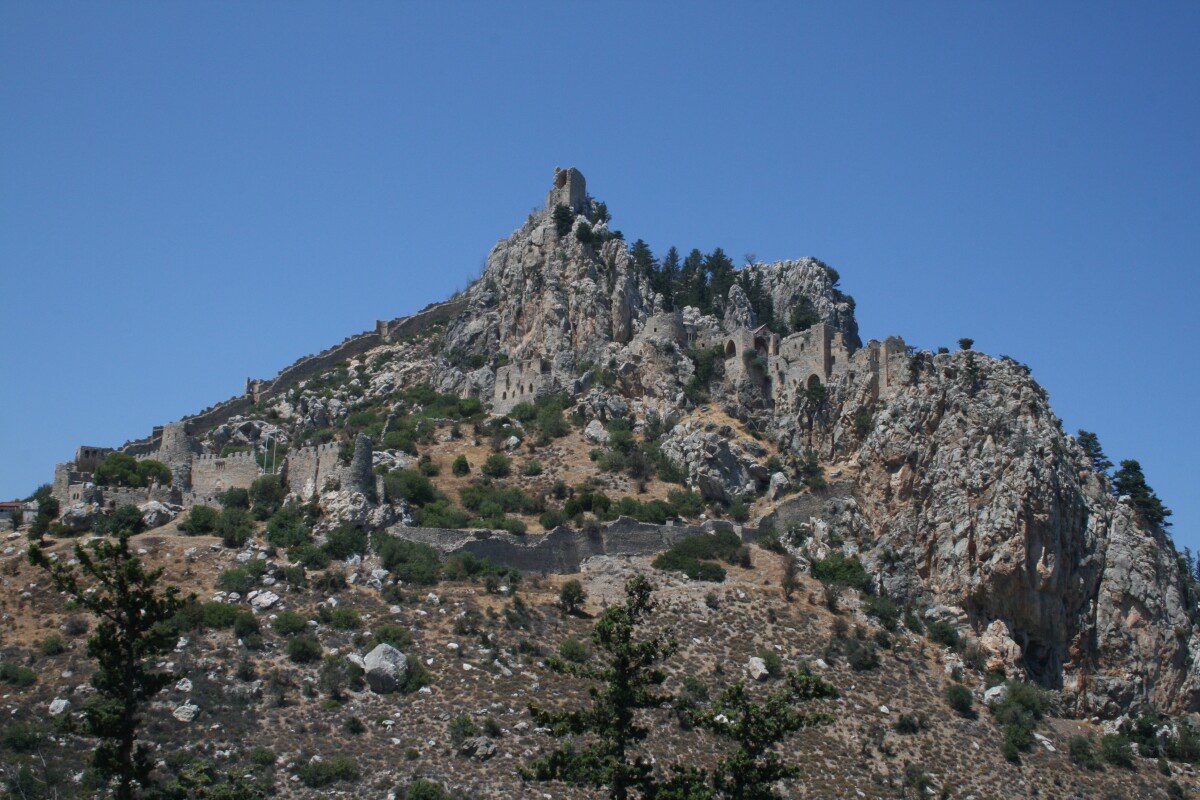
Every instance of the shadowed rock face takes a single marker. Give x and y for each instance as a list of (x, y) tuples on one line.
[(987, 506)]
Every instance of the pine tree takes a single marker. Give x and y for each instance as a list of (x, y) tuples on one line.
[(750, 770), (1130, 480), (693, 282), (721, 276), (668, 273), (1090, 444), (624, 682), (643, 258), (130, 636)]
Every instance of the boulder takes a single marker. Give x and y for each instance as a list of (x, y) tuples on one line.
[(756, 668), (186, 712), (59, 706), (155, 514), (779, 486), (595, 432), (385, 668), (78, 516)]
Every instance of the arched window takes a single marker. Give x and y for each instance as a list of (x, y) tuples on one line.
[(730, 349)]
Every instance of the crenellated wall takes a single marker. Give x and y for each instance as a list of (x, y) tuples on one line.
[(308, 469), (212, 474)]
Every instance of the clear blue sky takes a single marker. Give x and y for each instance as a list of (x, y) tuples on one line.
[(191, 194)]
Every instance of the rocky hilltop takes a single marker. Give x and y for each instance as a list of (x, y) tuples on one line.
[(946, 474)]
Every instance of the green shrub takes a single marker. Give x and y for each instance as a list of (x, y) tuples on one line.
[(310, 556), (288, 623), (18, 676), (411, 562), (288, 528), (861, 656), (573, 650), (346, 540), (460, 466), (686, 503), (245, 625), (941, 632), (552, 518), (772, 661), (497, 465), (340, 617), (319, 774), (422, 789), (266, 495), (52, 645), (234, 526), (304, 649), (441, 514), (532, 468), (836, 568), (235, 498), (961, 700), (235, 579), (122, 469), (523, 412), (884, 609), (199, 520), (20, 737), (126, 518), (410, 485), (262, 757), (691, 566), (1083, 753), (397, 636), (1117, 750)]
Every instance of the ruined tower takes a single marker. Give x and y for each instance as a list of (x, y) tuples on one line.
[(176, 452), (569, 189), (359, 477)]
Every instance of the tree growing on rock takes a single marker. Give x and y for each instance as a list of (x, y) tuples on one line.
[(1130, 480), (133, 610), (1090, 444), (626, 676)]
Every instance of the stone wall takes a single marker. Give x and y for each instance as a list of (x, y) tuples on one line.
[(258, 390), (562, 550), (520, 382), (308, 469), (88, 457), (213, 474)]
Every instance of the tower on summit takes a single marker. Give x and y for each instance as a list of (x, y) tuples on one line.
[(569, 189)]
